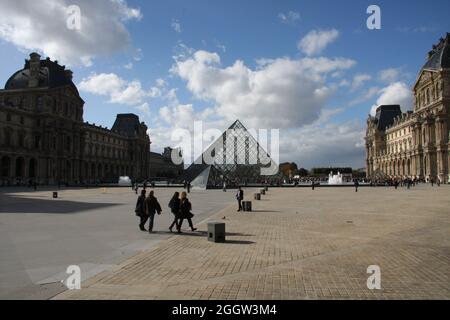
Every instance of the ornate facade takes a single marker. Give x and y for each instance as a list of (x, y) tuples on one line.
[(43, 137), (415, 144)]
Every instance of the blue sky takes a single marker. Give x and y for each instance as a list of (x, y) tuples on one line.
[(173, 62)]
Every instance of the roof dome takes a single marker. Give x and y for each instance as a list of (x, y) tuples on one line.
[(439, 57), (49, 74)]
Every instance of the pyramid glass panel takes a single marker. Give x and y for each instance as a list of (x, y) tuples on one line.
[(236, 158)]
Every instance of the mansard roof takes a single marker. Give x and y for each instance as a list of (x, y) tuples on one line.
[(439, 56), (386, 115), (127, 124), (51, 75)]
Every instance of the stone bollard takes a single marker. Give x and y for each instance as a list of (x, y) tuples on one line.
[(263, 191), (216, 232), (266, 188), (55, 195), (257, 196), (247, 206)]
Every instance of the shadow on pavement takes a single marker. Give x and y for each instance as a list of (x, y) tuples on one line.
[(17, 204), (239, 242)]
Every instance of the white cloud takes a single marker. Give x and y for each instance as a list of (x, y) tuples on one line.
[(294, 90), (395, 93), (359, 80), (289, 18), (128, 66), (42, 26), (144, 108), (161, 82), (324, 144), (176, 26), (178, 115), (117, 89), (222, 47), (317, 40), (389, 75), (138, 55)]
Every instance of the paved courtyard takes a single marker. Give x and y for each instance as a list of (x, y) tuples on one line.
[(298, 244), (93, 228)]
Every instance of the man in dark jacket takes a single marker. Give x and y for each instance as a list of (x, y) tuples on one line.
[(140, 210), (152, 207), (239, 198), (174, 206)]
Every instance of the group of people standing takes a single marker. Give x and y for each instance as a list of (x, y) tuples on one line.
[(148, 207)]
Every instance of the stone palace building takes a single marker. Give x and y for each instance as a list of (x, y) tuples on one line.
[(415, 144), (43, 137)]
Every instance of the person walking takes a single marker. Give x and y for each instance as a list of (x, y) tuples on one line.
[(152, 207), (140, 211), (189, 187), (239, 198), (356, 185), (185, 212), (174, 206)]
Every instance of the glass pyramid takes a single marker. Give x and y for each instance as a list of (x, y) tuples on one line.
[(234, 159)]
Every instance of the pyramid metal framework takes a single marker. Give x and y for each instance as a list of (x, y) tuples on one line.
[(235, 162)]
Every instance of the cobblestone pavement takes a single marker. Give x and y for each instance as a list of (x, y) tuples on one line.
[(93, 228), (300, 244)]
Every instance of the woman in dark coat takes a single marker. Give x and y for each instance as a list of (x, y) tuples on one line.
[(152, 207), (140, 210), (174, 206), (185, 212)]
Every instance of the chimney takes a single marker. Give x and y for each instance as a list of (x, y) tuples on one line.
[(35, 67)]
